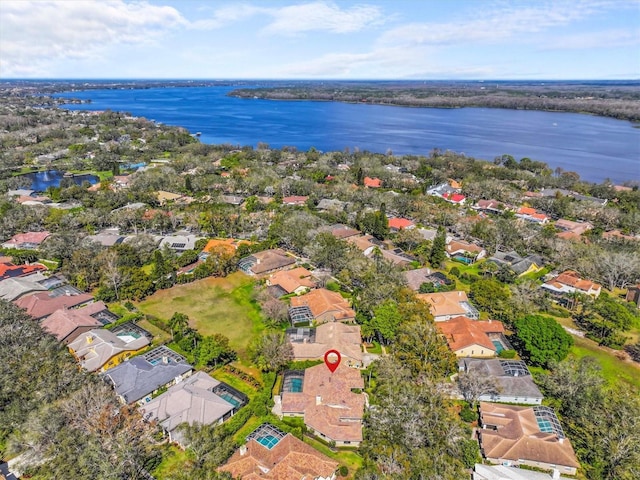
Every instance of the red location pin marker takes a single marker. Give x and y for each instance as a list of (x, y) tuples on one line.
[(332, 363)]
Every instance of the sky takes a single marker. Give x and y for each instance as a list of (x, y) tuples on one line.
[(323, 39)]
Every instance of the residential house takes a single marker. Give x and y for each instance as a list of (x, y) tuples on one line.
[(365, 243), (121, 182), (295, 200), (42, 304), (372, 182), (490, 206), (569, 282), (271, 454), (531, 436), (265, 262), (459, 249), (107, 238), (618, 235), (398, 223), (100, 350), (455, 198), (570, 227), (343, 232), (179, 243), (327, 401), (321, 306), (518, 264), (503, 472), (511, 377), (137, 379), (236, 200), (311, 343), (633, 295), (415, 278), (198, 399), (26, 241), (66, 324), (473, 338), (442, 189), (13, 288), (531, 215), (447, 305), (9, 270), (297, 280), (169, 197)]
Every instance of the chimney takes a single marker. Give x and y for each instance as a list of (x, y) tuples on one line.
[(560, 440), (556, 474), (318, 400), (165, 359), (243, 450)]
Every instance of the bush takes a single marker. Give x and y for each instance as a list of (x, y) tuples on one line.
[(343, 471), (468, 415), (455, 271), (507, 354)]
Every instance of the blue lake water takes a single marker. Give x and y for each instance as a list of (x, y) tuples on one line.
[(40, 181), (595, 147)]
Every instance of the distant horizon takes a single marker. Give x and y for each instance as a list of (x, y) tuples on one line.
[(322, 80)]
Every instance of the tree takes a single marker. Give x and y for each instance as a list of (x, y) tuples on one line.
[(491, 296), (271, 352), (541, 340), (473, 386), (275, 310), (214, 349), (438, 252), (386, 320), (178, 324), (421, 349), (113, 274)]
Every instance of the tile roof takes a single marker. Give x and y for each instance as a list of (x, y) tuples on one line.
[(40, 305), (96, 347), (64, 322), (462, 332), (189, 401), (461, 246), (35, 238), (343, 232), (291, 280), (328, 403), (323, 301), (399, 223), (572, 279), (453, 197), (15, 287), (294, 200), (289, 459), (518, 437), (9, 270), (269, 260), (142, 375), (445, 303), (331, 336), (372, 182)]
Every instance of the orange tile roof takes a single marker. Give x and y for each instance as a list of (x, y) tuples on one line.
[(462, 332), (459, 245), (572, 279), (289, 459), (399, 223), (29, 237), (445, 303), (291, 280), (328, 403), (526, 211), (323, 301), (518, 437), (9, 270), (372, 182), (294, 200)]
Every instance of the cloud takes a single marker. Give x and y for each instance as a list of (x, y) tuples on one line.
[(322, 16), (35, 34), (592, 40), (297, 19), (494, 24)]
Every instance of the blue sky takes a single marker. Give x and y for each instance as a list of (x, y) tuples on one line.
[(274, 39)]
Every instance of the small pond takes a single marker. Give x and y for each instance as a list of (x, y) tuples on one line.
[(40, 181)]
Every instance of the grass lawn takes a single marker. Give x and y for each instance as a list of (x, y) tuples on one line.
[(613, 369), (213, 305), (173, 460)]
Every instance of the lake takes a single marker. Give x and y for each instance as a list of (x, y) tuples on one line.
[(40, 181), (595, 147)]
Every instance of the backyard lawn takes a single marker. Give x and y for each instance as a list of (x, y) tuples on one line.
[(213, 305)]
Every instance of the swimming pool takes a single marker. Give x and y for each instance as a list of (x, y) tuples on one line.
[(268, 441), (498, 345)]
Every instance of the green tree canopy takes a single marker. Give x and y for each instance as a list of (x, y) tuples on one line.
[(541, 340)]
